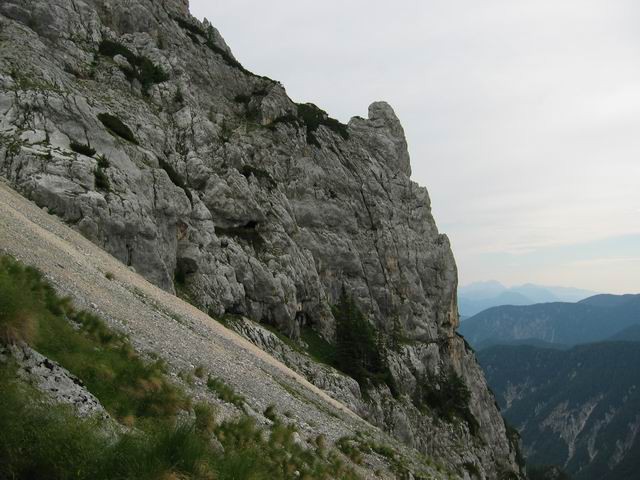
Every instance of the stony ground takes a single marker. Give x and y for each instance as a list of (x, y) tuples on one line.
[(160, 323)]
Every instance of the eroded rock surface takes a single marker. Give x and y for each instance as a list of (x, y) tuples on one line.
[(55, 382)]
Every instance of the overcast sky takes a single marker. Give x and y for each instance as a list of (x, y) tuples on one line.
[(523, 117)]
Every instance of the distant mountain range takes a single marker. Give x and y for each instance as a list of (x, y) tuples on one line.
[(479, 296), (557, 324), (578, 409)]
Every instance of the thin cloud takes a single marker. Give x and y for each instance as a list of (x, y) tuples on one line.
[(521, 116)]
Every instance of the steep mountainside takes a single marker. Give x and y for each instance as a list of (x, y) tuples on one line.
[(590, 320), (579, 409), (134, 123), (192, 349)]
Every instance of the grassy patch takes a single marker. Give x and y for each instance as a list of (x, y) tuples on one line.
[(117, 127), (40, 440), (317, 347), (48, 441), (225, 392), (278, 456), (126, 385), (45, 441)]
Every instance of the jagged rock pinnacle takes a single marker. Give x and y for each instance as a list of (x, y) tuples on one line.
[(384, 118)]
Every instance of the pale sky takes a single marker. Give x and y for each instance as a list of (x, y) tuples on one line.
[(522, 117)]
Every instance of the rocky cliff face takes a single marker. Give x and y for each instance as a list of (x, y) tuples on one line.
[(134, 123)]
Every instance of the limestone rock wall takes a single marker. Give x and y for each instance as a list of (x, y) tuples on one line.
[(213, 182)]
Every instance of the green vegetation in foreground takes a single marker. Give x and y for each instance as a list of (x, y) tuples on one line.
[(355, 446), (127, 386), (44, 441), (40, 440)]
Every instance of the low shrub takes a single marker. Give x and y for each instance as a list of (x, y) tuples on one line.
[(82, 148), (117, 127), (179, 96), (350, 448), (205, 418), (103, 162), (314, 117), (225, 392), (101, 180), (270, 413), (242, 98), (199, 371)]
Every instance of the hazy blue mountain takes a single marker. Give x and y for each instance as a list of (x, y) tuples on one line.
[(480, 290), (578, 408), (536, 293), (558, 323), (532, 342), (479, 296), (606, 300), (470, 307), (630, 334)]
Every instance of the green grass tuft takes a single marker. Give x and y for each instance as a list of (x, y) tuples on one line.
[(101, 180), (225, 392)]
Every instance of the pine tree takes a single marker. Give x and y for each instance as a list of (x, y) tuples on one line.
[(360, 353)]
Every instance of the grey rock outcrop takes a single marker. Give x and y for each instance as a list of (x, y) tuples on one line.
[(55, 382), (212, 182)]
